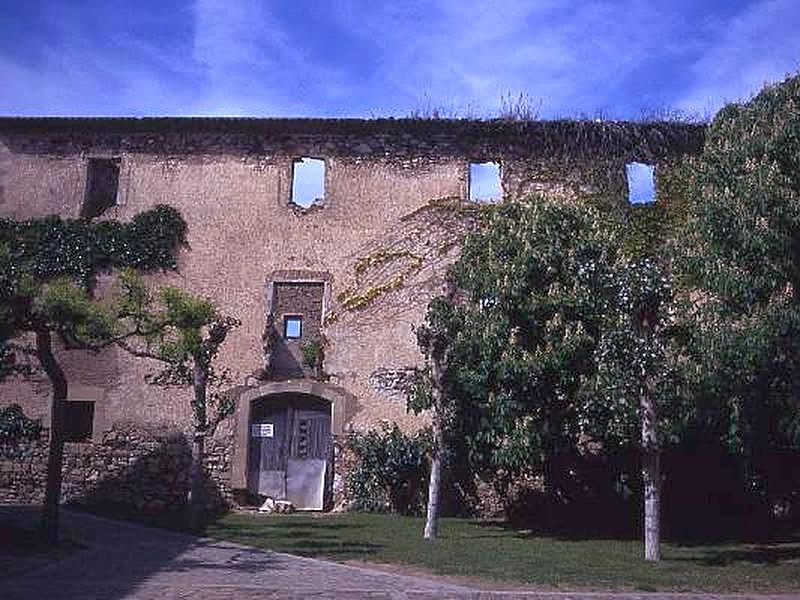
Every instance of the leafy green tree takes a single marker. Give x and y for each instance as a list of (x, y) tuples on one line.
[(47, 271), (185, 333), (742, 254), (633, 397), (516, 346)]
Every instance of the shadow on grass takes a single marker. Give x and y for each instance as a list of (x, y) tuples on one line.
[(305, 536), (763, 555)]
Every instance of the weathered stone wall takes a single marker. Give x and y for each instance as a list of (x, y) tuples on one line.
[(134, 465), (294, 299), (380, 242)]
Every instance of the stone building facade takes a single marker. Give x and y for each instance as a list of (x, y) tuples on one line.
[(353, 271)]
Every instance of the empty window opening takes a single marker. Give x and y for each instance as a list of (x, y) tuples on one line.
[(78, 419), (641, 183), (292, 328), (102, 183), (308, 181), (484, 182)]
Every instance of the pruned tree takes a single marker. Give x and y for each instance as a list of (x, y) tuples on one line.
[(47, 272), (184, 333)]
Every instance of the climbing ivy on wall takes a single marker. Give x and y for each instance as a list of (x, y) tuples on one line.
[(424, 237), (16, 426), (51, 247)]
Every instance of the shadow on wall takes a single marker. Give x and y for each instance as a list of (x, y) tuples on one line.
[(285, 362), (707, 495), (146, 471)]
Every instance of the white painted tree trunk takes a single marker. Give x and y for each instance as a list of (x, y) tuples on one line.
[(434, 484), (651, 476), (432, 515)]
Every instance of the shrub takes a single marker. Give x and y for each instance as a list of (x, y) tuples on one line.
[(313, 351), (391, 471), (15, 429)]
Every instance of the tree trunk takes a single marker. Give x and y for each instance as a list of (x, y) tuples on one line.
[(550, 488), (432, 515), (55, 457), (434, 484), (651, 476), (196, 484)]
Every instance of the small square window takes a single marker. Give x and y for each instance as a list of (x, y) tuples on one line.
[(485, 182), (641, 183), (292, 328), (78, 420)]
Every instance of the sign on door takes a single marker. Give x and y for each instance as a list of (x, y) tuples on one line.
[(262, 430)]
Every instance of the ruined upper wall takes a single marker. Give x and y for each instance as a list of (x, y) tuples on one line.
[(387, 139), (378, 237)]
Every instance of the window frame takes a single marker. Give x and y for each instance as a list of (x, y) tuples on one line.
[(479, 163), (633, 171), (286, 320)]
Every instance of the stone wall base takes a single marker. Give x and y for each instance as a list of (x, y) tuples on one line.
[(142, 467)]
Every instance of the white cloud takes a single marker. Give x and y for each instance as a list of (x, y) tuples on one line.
[(760, 45), (569, 55), (239, 57), (74, 74)]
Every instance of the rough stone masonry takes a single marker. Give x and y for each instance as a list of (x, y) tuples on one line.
[(360, 266)]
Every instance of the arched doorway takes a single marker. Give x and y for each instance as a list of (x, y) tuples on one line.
[(291, 449), (282, 420)]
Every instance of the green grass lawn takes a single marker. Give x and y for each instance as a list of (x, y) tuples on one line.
[(493, 552)]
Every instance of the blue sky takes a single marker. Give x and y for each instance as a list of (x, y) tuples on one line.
[(367, 58)]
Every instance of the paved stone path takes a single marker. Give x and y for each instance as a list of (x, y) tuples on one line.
[(125, 561)]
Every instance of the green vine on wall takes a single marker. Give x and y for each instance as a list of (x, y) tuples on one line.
[(16, 427), (51, 247)]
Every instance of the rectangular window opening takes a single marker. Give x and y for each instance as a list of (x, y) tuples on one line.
[(485, 182), (641, 183), (292, 328), (102, 184), (308, 182), (78, 420)]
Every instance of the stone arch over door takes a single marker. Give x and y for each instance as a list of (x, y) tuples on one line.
[(278, 404)]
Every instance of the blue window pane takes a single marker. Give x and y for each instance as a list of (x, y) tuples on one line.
[(484, 182), (641, 183), (292, 327)]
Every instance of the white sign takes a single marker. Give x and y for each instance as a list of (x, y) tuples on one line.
[(262, 430)]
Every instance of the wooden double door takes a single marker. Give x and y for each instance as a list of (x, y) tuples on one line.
[(291, 449)]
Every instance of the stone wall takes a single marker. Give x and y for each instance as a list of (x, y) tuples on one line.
[(381, 240), (294, 299), (133, 465)]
